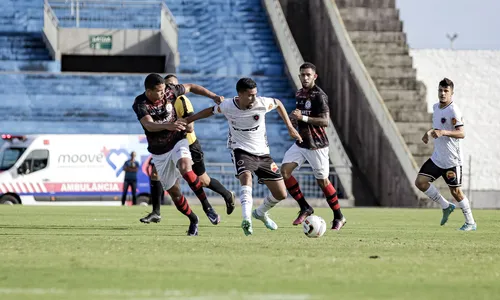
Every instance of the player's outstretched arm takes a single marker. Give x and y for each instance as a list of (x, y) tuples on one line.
[(202, 91), (284, 115), (151, 126), (203, 114), (458, 133)]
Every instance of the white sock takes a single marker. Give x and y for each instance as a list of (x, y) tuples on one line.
[(269, 202), (465, 206), (435, 196), (246, 201)]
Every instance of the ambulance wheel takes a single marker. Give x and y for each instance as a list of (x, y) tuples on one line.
[(9, 200)]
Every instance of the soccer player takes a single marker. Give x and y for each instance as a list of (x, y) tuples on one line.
[(312, 115), (183, 109), (446, 160), (169, 148), (250, 150)]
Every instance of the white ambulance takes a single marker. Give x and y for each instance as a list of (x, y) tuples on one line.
[(70, 169)]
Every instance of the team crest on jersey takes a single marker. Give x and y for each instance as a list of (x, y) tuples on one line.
[(454, 121), (308, 104), (169, 107), (450, 175), (274, 167), (270, 107), (256, 117), (443, 120)]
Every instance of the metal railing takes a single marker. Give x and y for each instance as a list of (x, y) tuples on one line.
[(76, 6)]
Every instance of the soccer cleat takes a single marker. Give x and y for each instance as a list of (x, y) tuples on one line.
[(230, 203), (246, 225), (152, 217), (303, 214), (446, 213), (212, 216), (193, 228), (338, 224), (468, 227), (270, 224)]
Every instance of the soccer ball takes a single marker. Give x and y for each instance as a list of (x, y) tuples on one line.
[(314, 226)]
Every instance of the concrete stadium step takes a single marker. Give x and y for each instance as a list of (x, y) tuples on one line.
[(378, 37), (395, 83), (411, 116), (405, 105), (389, 72), (365, 13), (414, 127), (373, 25), (421, 149), (410, 96), (387, 60), (366, 49), (366, 3)]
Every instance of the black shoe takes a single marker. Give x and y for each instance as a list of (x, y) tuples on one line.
[(212, 216), (152, 217), (303, 214), (230, 203), (193, 228)]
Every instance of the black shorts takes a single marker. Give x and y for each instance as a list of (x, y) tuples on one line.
[(262, 166), (452, 176), (198, 158)]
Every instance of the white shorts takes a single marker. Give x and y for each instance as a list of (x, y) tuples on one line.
[(166, 164), (318, 159)]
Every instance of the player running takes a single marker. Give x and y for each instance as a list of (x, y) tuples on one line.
[(184, 109), (312, 116), (169, 147), (446, 160), (250, 150)]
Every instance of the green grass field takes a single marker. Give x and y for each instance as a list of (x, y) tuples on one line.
[(105, 253)]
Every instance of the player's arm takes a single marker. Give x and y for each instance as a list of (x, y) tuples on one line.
[(284, 115), (458, 133), (203, 114), (184, 108), (321, 121), (202, 91), (151, 126)]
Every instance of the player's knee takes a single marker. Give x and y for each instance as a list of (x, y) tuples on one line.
[(456, 192), (323, 182), (204, 179), (281, 195), (184, 166), (286, 171), (422, 183)]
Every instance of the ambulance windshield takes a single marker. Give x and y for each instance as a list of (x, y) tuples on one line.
[(9, 156)]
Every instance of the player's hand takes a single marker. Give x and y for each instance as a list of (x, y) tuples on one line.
[(294, 134), (296, 114), (182, 121), (177, 126), (436, 133), (218, 99), (425, 138)]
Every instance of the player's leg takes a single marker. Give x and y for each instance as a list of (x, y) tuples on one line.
[(268, 174), (211, 183), (244, 165), (182, 205), (294, 158), (320, 163), (453, 178), (427, 174), (163, 175), (125, 191), (182, 158), (133, 187)]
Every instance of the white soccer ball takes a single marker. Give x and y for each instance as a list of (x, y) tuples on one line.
[(314, 226)]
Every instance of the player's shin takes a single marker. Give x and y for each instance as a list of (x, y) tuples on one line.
[(197, 187), (156, 192), (465, 206), (333, 201), (269, 202), (433, 194), (293, 188), (183, 206), (246, 201)]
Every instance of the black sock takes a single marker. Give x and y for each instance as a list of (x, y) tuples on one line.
[(156, 191), (217, 187)]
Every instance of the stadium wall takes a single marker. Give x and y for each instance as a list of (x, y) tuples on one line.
[(359, 113)]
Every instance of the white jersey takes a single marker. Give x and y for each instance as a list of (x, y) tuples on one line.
[(247, 127), (447, 150)]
